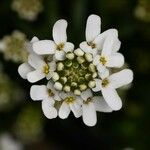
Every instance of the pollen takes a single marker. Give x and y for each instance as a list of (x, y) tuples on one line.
[(103, 60), (93, 45), (105, 82), (50, 93), (70, 99), (46, 69), (60, 46), (88, 100)]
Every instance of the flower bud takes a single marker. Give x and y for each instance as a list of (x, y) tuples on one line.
[(63, 80), (77, 92), (58, 86), (80, 60), (60, 66), (83, 87), (67, 88), (74, 84), (79, 52), (70, 55), (68, 63), (92, 67), (92, 84), (55, 76), (88, 57), (94, 75)]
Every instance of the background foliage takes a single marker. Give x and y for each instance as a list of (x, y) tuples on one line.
[(128, 127)]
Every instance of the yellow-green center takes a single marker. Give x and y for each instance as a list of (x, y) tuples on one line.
[(105, 82), (103, 60), (69, 99), (46, 69)]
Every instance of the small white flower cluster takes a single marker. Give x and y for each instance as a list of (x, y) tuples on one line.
[(75, 75), (27, 9), (14, 46)]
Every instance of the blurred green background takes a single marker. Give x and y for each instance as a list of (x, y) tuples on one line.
[(23, 119)]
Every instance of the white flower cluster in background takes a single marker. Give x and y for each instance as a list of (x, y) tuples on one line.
[(75, 76), (27, 9), (14, 47), (7, 142)]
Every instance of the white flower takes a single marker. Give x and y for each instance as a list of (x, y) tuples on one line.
[(108, 85), (59, 46), (108, 58), (91, 105), (70, 103), (48, 95), (25, 68), (94, 40), (41, 70), (8, 143)]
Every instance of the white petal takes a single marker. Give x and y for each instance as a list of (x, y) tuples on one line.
[(108, 45), (89, 114), (93, 27), (98, 86), (101, 105), (44, 47), (96, 60), (76, 109), (49, 111), (85, 47), (115, 60), (103, 74), (86, 94), (38, 92), (116, 45), (68, 47), (121, 78), (34, 39), (59, 31), (112, 98), (99, 40), (101, 68), (35, 61), (52, 65), (64, 110), (35, 76), (24, 69), (60, 55)]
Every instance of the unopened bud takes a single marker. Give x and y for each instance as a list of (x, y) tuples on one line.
[(80, 60), (88, 57), (74, 84), (67, 88), (55, 76), (83, 87), (70, 55), (68, 63), (92, 67), (63, 80), (58, 86), (77, 92), (60, 66), (79, 52), (92, 84), (94, 75)]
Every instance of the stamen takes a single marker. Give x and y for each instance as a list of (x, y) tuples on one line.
[(50, 93), (103, 60), (105, 82), (60, 46), (46, 69), (70, 99)]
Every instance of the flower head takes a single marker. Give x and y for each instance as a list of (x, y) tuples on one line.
[(74, 76)]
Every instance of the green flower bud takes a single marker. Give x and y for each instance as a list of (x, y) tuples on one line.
[(83, 87), (55, 76), (67, 88), (80, 59), (79, 52), (92, 84), (88, 57), (77, 92), (60, 66), (70, 55)]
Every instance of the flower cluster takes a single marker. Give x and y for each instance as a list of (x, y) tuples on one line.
[(27, 9), (75, 76), (14, 46)]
